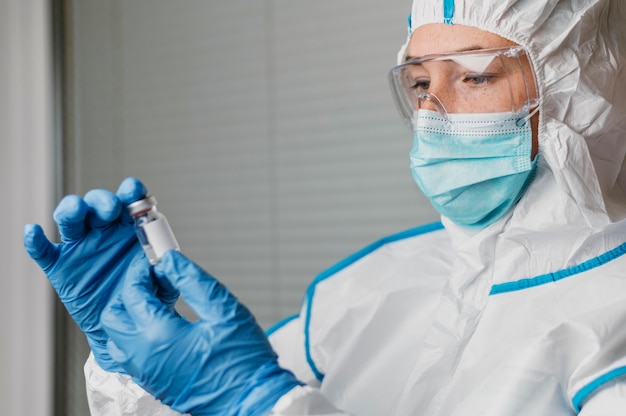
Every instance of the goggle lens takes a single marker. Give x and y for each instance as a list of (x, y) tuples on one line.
[(480, 81)]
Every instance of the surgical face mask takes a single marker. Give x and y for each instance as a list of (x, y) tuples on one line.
[(472, 167)]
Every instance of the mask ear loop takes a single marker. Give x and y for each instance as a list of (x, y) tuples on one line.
[(521, 122)]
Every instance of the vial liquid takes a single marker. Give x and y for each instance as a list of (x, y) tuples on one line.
[(152, 228)]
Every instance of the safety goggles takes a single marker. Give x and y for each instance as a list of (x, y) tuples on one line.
[(478, 81)]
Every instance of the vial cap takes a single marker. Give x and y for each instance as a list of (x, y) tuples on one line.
[(142, 205)]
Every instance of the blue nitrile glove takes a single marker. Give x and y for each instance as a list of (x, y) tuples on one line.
[(221, 364), (98, 242)]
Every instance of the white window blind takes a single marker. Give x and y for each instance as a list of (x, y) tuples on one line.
[(265, 129)]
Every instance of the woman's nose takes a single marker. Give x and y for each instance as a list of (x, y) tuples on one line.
[(431, 101), (439, 96)]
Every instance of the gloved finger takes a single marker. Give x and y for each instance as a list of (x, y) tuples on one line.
[(119, 326), (115, 319), (166, 291), (104, 207), (208, 298), (130, 190), (123, 358), (116, 353), (147, 311), (128, 337), (70, 217), (38, 247)]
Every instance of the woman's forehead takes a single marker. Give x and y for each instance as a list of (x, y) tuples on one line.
[(439, 38)]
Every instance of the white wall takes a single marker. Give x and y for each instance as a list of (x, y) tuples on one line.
[(26, 195)]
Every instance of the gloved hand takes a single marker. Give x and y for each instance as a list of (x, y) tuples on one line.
[(98, 242), (221, 364)]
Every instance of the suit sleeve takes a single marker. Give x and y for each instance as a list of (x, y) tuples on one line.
[(288, 340), (114, 394), (608, 400)]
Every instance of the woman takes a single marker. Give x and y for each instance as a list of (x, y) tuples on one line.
[(513, 305)]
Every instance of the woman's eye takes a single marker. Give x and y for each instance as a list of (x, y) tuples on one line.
[(421, 84), (479, 79)]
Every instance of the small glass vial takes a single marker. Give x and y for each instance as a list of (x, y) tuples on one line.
[(153, 230)]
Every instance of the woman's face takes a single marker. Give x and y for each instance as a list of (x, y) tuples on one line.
[(500, 85)]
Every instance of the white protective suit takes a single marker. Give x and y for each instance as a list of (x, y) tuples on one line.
[(526, 317)]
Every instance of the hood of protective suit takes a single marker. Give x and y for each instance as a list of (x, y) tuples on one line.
[(578, 50)]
